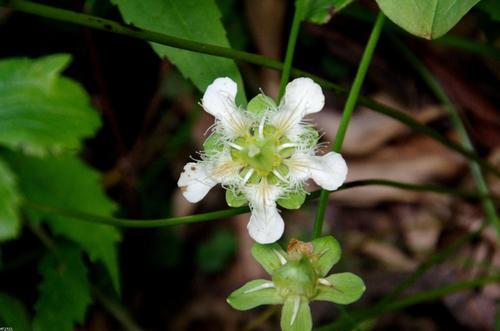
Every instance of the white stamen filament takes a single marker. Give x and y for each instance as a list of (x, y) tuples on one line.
[(261, 127), (253, 150), (296, 306), (280, 257), (248, 175), (286, 145), (324, 281), (260, 287), (235, 146), (277, 174)]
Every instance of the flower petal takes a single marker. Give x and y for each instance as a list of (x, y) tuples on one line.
[(266, 225), (254, 293), (296, 315), (219, 101), (344, 288), (195, 182), (328, 171), (302, 96)]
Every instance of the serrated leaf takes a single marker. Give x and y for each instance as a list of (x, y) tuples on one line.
[(345, 288), (261, 103), (327, 252), (9, 203), (296, 315), (270, 256), (64, 293), (189, 19), (293, 200), (66, 182), (41, 111), (234, 200), (13, 313), (428, 19), (254, 293), (320, 11)]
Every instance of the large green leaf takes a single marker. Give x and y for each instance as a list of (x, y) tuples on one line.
[(9, 203), (13, 314), (66, 182), (64, 291), (40, 110), (190, 19), (429, 19)]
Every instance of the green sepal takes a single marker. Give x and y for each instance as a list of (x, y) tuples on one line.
[(301, 320), (269, 256), (253, 294), (260, 103), (235, 200), (310, 137), (346, 288), (213, 144), (292, 200), (326, 253)]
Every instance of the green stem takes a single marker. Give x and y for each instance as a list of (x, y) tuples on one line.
[(204, 217), (133, 32), (290, 49), (116, 310), (348, 110), (436, 88)]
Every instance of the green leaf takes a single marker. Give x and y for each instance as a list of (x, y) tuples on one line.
[(66, 182), (491, 7), (9, 203), (189, 19), (261, 103), (327, 253), (253, 294), (296, 315), (214, 254), (292, 200), (13, 314), (234, 200), (270, 256), (320, 11), (428, 19), (346, 288), (41, 111), (64, 293)]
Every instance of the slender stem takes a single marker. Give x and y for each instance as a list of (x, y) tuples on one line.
[(204, 217), (116, 310), (292, 41), (436, 88), (348, 110), (133, 32)]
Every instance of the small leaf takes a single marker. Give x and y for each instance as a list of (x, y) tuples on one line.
[(261, 103), (320, 11), (13, 314), (292, 200), (9, 204), (66, 182), (189, 19), (234, 200), (428, 19), (296, 315), (270, 256), (41, 111), (327, 252), (345, 288), (254, 293), (64, 291)]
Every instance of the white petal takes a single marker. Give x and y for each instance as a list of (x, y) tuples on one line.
[(195, 182), (328, 171), (302, 96), (219, 101), (266, 225)]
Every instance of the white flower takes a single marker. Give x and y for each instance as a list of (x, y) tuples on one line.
[(262, 155)]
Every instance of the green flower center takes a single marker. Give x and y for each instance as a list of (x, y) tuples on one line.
[(261, 151)]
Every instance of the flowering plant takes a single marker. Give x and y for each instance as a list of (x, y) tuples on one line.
[(262, 155)]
